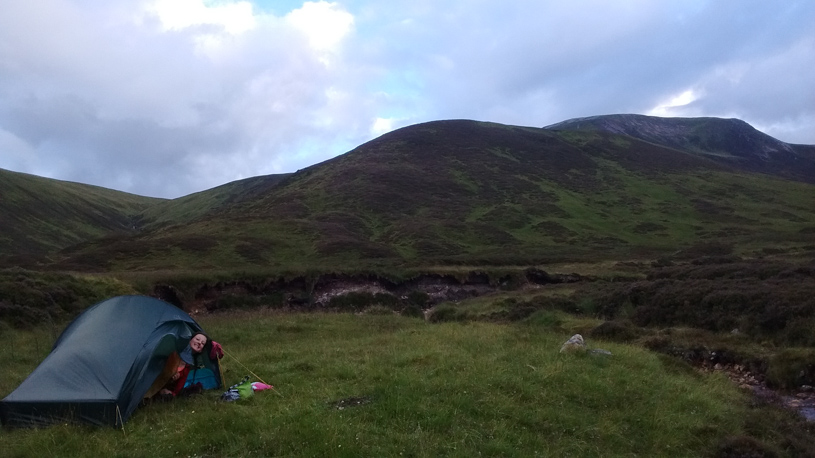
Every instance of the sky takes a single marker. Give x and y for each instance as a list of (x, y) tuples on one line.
[(165, 98)]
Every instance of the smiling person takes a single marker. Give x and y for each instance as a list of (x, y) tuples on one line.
[(189, 372)]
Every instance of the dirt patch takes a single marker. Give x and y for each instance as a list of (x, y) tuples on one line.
[(354, 401)]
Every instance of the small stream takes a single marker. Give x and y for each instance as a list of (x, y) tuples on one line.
[(808, 413), (805, 406), (801, 401)]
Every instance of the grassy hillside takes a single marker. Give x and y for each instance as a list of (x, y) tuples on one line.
[(383, 385), (39, 216), (201, 204), (464, 192), (729, 141), (442, 194)]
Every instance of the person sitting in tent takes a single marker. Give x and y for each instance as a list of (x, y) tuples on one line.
[(105, 361), (188, 373)]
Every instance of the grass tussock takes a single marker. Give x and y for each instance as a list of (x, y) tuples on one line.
[(29, 299), (377, 384)]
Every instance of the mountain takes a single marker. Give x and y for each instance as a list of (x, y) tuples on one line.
[(39, 215), (469, 193), (728, 141), (200, 204)]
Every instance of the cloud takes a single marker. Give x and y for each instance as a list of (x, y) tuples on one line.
[(675, 104), (169, 97), (325, 24), (234, 18)]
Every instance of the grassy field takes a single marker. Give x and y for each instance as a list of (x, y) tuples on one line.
[(384, 385)]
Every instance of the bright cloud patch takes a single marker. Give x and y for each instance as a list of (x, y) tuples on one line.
[(677, 101), (235, 18), (381, 126), (325, 24)]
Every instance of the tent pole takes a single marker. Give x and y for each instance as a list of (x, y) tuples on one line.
[(221, 371), (121, 422)]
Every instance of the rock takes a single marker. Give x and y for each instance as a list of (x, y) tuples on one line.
[(574, 344), (600, 351)]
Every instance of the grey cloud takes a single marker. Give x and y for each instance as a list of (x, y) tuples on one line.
[(88, 93), (579, 60)]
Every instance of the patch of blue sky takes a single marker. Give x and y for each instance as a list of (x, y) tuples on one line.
[(277, 7), (282, 7), (311, 151), (400, 83)]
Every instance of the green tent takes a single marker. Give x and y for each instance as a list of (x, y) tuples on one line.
[(102, 365)]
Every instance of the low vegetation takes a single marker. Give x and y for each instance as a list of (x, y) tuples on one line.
[(410, 297), (30, 299), (446, 193), (375, 384)]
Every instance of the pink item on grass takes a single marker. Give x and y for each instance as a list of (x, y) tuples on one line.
[(260, 386)]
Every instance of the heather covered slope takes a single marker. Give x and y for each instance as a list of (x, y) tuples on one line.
[(201, 204), (39, 215), (467, 192), (728, 141)]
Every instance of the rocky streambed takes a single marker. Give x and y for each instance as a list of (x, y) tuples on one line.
[(801, 400)]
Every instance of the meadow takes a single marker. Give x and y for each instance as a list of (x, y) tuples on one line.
[(379, 384)]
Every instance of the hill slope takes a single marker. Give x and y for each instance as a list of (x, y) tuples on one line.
[(40, 215), (198, 205), (730, 141), (467, 192)]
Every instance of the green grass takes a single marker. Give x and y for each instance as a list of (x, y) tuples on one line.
[(446, 389), (40, 215)]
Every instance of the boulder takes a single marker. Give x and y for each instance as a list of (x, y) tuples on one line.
[(574, 344), (600, 351)]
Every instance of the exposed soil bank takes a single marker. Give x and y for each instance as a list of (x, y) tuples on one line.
[(339, 291)]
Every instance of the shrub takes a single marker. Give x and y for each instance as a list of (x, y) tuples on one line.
[(445, 313), (662, 262), (378, 309), (587, 306), (617, 331), (564, 304), (743, 447), (766, 301), (518, 312), (545, 319), (412, 310), (22, 316), (791, 368), (419, 298), (799, 333), (59, 295), (705, 249)]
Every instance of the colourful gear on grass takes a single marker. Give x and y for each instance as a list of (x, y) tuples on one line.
[(240, 390), (260, 386)]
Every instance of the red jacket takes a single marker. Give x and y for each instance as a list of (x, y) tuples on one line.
[(178, 385)]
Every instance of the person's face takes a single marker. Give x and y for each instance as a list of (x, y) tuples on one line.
[(197, 343)]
